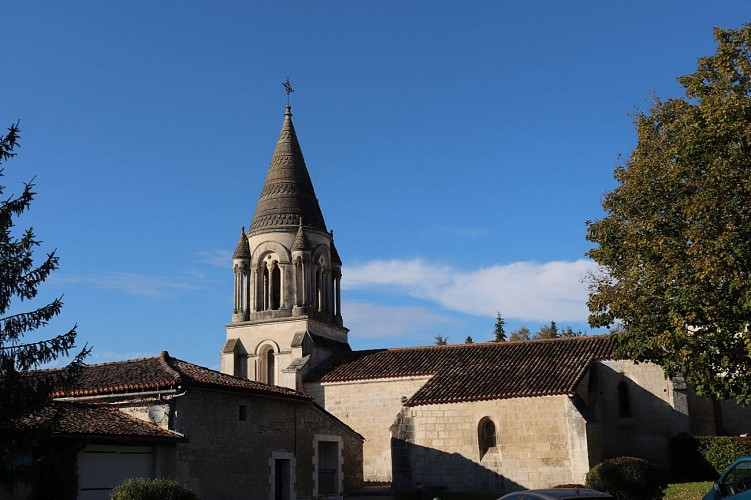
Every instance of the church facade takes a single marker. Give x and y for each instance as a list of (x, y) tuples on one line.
[(478, 417)]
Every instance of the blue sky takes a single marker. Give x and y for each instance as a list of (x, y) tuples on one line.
[(457, 150)]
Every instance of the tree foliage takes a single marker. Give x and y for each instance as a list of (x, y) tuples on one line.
[(674, 248), (499, 332), (521, 334), (20, 278), (567, 331), (441, 340), (547, 331)]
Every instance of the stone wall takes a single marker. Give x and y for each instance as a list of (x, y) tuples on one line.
[(658, 409), (370, 408), (540, 442), (226, 457)]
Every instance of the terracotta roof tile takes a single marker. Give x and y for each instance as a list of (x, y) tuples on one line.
[(93, 420), (162, 372), (475, 372)]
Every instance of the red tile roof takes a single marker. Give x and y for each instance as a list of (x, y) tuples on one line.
[(76, 419), (475, 372), (162, 372)]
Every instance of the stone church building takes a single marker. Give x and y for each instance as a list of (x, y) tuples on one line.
[(474, 417), (295, 413)]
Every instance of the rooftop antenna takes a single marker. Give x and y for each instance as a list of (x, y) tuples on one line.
[(288, 88)]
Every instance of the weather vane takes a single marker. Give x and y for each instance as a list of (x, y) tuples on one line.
[(288, 88)]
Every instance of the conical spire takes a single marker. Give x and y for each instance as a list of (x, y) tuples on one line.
[(287, 193), (301, 241), (242, 250), (335, 259)]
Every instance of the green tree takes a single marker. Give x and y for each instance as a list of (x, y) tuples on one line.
[(499, 331), (567, 331), (521, 334), (22, 394), (441, 340), (674, 248), (469, 340), (547, 331)]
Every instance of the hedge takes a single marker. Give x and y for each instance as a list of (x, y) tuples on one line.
[(140, 488), (704, 458), (628, 478)]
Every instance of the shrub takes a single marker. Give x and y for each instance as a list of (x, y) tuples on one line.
[(705, 457), (722, 451), (140, 488), (628, 478)]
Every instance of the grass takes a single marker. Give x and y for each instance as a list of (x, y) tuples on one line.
[(687, 491)]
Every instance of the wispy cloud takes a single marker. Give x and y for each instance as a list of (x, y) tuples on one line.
[(144, 285), (372, 321), (528, 291), (216, 258)]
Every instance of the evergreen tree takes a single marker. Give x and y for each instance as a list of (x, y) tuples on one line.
[(441, 340), (469, 340), (570, 332), (23, 393), (499, 331), (547, 332)]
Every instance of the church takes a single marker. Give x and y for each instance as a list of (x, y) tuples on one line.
[(473, 417), (295, 413)]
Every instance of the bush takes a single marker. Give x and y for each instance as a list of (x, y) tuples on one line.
[(722, 451), (705, 457), (140, 488), (628, 478)]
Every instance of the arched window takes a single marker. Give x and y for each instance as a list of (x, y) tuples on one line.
[(486, 435), (275, 286), (266, 367), (270, 366), (319, 291), (266, 284), (624, 400)]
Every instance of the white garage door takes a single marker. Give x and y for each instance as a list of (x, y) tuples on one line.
[(102, 467)]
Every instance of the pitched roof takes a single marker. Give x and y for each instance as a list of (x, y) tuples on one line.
[(287, 192), (76, 419), (162, 372), (475, 372)]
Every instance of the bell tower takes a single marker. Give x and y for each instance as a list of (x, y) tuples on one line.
[(287, 316)]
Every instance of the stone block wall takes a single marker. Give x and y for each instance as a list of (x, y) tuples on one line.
[(658, 410), (226, 457), (370, 408), (540, 442)]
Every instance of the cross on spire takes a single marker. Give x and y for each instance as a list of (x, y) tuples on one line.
[(288, 88)]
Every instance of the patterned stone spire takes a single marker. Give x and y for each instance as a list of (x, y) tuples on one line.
[(287, 193), (301, 241), (242, 250)]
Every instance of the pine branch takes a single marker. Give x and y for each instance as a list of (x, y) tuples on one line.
[(14, 326)]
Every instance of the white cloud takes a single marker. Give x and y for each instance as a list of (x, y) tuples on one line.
[(527, 291), (372, 321)]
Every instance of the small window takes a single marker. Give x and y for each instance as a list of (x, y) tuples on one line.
[(486, 435), (624, 400), (243, 415)]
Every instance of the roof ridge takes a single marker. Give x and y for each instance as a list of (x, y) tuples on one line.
[(164, 358), (491, 343)]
